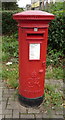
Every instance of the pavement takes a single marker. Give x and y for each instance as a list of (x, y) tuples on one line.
[(11, 108)]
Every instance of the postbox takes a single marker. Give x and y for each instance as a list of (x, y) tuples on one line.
[(33, 37)]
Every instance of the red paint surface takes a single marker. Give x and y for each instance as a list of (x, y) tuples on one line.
[(32, 72)]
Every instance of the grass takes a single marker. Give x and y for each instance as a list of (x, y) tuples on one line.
[(9, 47), (53, 96), (54, 73), (10, 75), (53, 99)]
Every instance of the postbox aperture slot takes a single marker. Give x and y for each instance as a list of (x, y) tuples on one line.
[(35, 35)]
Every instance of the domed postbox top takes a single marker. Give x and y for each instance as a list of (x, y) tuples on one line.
[(33, 15)]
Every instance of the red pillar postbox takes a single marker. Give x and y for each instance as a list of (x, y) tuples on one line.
[(33, 34)]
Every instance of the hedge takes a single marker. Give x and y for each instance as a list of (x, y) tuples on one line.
[(56, 28), (9, 25)]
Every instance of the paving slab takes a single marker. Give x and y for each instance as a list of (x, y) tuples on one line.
[(27, 116), (15, 114), (57, 116), (8, 116), (22, 109), (0, 104), (1, 117), (0, 111), (32, 110), (3, 103), (39, 116), (59, 112), (7, 112), (0, 91)]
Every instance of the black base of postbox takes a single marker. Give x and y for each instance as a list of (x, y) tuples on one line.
[(30, 102)]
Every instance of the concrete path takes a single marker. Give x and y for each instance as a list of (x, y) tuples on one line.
[(11, 108)]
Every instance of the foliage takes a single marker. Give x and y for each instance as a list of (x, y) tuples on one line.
[(54, 72), (56, 31), (9, 26), (9, 6), (54, 57), (57, 26), (10, 47), (10, 74), (53, 98), (54, 7)]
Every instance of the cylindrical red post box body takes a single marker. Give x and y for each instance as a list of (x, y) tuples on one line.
[(33, 34)]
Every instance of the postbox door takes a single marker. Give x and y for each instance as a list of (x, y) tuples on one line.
[(32, 63)]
